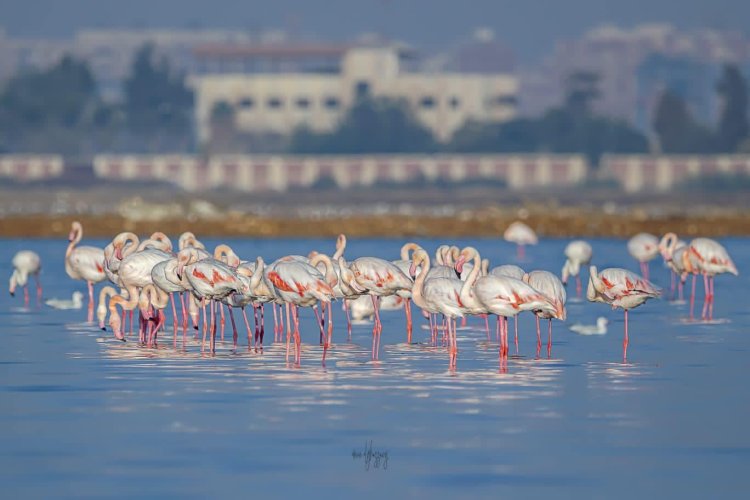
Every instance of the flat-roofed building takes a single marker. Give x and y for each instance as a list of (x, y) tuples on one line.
[(279, 88)]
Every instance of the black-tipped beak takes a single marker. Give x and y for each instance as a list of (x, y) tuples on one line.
[(195, 327), (179, 276), (12, 294), (123, 340), (104, 328)]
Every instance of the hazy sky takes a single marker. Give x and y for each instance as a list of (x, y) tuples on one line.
[(530, 27)]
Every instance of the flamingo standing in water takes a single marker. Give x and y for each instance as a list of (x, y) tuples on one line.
[(551, 286), (379, 278), (469, 300), (164, 276), (84, 263), (522, 235), (403, 264), (300, 284), (577, 253), (643, 247), (25, 263), (505, 297), (511, 271), (438, 295), (709, 258), (668, 247), (619, 288)]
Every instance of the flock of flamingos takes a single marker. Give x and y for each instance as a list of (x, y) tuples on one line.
[(456, 283)]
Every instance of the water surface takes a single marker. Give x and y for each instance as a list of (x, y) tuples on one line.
[(85, 415)]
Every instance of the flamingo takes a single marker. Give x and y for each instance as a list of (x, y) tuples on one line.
[(522, 235), (437, 295), (551, 286), (150, 298), (134, 274), (403, 264), (25, 263), (577, 253), (511, 271), (470, 303), (261, 293), (300, 284), (379, 278), (505, 297), (211, 280), (188, 239), (711, 258), (84, 263), (643, 247), (668, 247), (620, 288)]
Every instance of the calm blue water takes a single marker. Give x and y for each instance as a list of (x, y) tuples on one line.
[(84, 415)]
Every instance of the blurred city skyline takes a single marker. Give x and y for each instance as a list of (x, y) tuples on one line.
[(530, 29)]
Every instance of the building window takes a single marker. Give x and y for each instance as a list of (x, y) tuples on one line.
[(246, 103), (331, 102), (427, 102), (362, 90), (505, 100), (454, 102), (303, 103), (274, 102)]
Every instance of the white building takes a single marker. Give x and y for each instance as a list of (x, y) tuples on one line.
[(289, 93)]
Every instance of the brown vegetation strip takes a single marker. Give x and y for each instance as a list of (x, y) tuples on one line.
[(560, 223)]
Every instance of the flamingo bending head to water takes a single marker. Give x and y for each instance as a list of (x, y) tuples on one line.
[(84, 263), (25, 263), (577, 254), (520, 234), (643, 247)]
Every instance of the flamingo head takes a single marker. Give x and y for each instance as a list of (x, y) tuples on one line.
[(116, 324), (418, 257), (464, 255)]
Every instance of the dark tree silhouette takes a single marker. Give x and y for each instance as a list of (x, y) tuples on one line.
[(733, 123)]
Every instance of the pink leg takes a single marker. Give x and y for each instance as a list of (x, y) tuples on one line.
[(262, 324), (671, 284), (625, 342), (348, 319), (26, 302), (214, 325), (549, 339), (321, 325), (521, 252), (174, 320), (487, 325), (39, 290), (221, 309), (130, 315), (205, 322), (711, 304), (538, 338), (407, 309), (376, 328), (706, 297), (515, 329), (288, 331), (579, 288), (256, 322), (247, 328), (90, 316), (692, 298), (330, 324), (499, 338), (234, 328), (297, 337)]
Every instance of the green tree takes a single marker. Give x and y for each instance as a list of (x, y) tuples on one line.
[(158, 104), (372, 125), (733, 123), (581, 90), (676, 129)]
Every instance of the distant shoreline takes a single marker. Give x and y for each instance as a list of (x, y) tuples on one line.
[(563, 222)]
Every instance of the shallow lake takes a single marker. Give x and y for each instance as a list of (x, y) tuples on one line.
[(85, 415)]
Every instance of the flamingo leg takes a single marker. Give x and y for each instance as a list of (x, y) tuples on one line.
[(90, 316), (579, 288), (515, 331), (288, 331), (297, 337), (706, 297), (247, 328), (174, 320), (378, 327), (321, 325), (234, 328), (275, 324), (262, 324), (505, 337), (692, 298), (214, 325), (26, 300), (538, 338), (330, 324), (521, 252), (205, 321), (39, 290), (130, 316), (223, 321), (257, 328), (671, 284), (487, 325), (549, 339), (711, 304), (625, 341), (348, 320), (407, 310)]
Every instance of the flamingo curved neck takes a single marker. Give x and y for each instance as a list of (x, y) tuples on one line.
[(417, 291), (466, 288)]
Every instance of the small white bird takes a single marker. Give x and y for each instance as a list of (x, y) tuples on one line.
[(75, 303), (599, 329)]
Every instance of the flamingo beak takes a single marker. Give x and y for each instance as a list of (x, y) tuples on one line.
[(460, 264), (413, 270), (118, 252)]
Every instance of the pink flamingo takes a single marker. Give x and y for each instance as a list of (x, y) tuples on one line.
[(710, 258), (300, 284), (551, 286), (379, 278), (505, 297), (261, 293), (403, 264), (469, 301), (577, 253), (522, 235), (643, 247), (211, 281), (668, 247), (26, 263), (438, 295), (84, 263), (620, 288), (511, 271)]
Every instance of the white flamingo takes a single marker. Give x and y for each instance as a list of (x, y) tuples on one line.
[(26, 263), (709, 258), (551, 286), (643, 247), (577, 253), (84, 263), (522, 235)]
